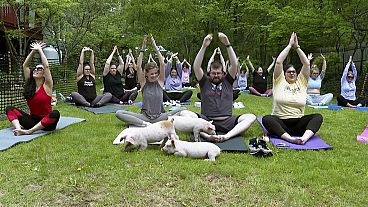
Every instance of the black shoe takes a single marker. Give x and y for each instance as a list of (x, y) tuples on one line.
[(264, 148), (254, 148)]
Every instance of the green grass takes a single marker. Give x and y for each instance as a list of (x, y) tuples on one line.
[(79, 166)]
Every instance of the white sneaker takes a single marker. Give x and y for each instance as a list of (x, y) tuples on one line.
[(240, 105), (236, 105)]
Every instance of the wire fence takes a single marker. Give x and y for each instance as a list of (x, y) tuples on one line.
[(12, 82)]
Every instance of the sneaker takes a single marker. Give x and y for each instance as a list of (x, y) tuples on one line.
[(241, 105), (264, 148), (254, 147)]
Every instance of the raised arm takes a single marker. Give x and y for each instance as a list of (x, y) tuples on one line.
[(121, 63), (246, 70), (324, 65), (282, 56), (128, 60), (140, 73), (132, 60), (303, 58), (80, 65), (199, 58), (232, 56), (272, 64), (250, 64), (212, 58), (46, 70), (161, 77), (222, 60), (26, 69), (355, 73), (108, 62), (179, 68), (92, 62)]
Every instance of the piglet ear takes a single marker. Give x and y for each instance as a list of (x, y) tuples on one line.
[(164, 142), (173, 143)]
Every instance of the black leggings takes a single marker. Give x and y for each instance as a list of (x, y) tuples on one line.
[(128, 96), (27, 121), (293, 126), (341, 101), (177, 96)]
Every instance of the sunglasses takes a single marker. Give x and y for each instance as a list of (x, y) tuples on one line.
[(350, 77), (38, 69), (87, 69), (291, 71)]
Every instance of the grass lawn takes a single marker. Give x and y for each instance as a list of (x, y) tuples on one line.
[(79, 166)]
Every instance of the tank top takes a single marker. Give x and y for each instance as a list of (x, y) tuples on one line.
[(130, 79), (314, 84), (87, 88), (152, 98), (40, 103)]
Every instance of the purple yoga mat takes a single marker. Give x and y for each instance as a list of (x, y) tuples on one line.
[(314, 143), (363, 137)]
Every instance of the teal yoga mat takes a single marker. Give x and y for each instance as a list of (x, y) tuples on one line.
[(7, 138), (103, 109)]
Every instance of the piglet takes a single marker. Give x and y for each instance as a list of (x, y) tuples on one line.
[(192, 149), (140, 137), (195, 125)]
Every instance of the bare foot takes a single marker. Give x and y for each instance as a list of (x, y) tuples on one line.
[(217, 138), (18, 132), (295, 140)]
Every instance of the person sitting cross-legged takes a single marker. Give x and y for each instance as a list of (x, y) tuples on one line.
[(37, 92), (173, 82), (112, 81), (289, 99), (217, 94), (86, 82)]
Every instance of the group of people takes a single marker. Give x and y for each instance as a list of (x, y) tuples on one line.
[(163, 81)]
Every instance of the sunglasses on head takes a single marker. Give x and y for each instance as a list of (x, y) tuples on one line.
[(38, 69)]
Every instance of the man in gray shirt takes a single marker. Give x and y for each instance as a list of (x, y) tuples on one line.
[(217, 94)]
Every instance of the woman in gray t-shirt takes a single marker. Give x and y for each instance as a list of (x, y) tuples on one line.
[(152, 83)]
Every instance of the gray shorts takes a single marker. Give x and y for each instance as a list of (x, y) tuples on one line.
[(224, 125)]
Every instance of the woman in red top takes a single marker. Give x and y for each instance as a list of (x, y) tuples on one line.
[(37, 92)]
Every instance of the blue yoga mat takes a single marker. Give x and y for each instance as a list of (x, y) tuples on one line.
[(7, 138), (103, 109), (314, 143)]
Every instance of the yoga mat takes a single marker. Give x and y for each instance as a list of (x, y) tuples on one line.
[(314, 143), (235, 144), (362, 108), (139, 104), (103, 109), (7, 138), (318, 107), (184, 103), (363, 137)]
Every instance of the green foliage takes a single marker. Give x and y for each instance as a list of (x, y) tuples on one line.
[(79, 166)]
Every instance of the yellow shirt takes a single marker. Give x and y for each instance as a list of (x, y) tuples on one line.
[(289, 99)]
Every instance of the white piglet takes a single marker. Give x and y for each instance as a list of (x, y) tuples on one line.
[(192, 149), (140, 137), (195, 125)]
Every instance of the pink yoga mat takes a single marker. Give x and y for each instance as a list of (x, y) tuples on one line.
[(314, 143), (363, 137)]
